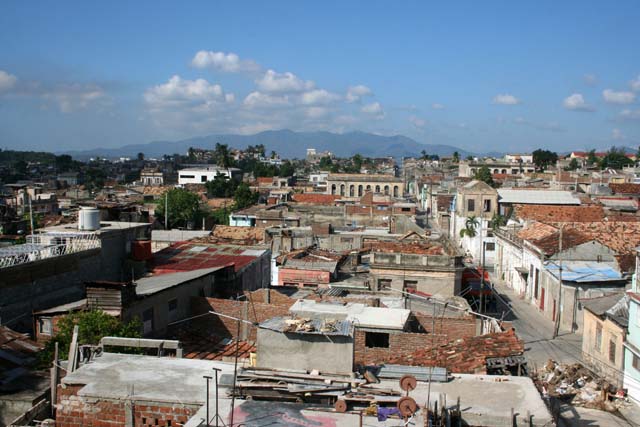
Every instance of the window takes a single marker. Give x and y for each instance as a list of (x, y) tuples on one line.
[(147, 321), (410, 285), (612, 350), (384, 283), (598, 340), (203, 178), (45, 326), (636, 362), (487, 206), (187, 176), (406, 209), (173, 310), (490, 246), (471, 205), (376, 340)]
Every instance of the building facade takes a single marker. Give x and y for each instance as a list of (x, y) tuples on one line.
[(356, 185)]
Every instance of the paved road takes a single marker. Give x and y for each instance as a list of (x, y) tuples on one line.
[(537, 333)]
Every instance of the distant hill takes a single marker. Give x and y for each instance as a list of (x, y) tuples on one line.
[(287, 143)]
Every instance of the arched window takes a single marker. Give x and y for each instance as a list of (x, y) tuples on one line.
[(342, 189), (395, 191), (359, 190), (352, 189), (504, 171), (377, 188), (386, 190), (368, 188), (333, 189), (496, 171)]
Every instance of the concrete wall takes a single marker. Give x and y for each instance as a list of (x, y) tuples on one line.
[(305, 351), (290, 276), (631, 374), (597, 358)]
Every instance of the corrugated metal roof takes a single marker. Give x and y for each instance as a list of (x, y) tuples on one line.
[(586, 271), (316, 326), (152, 284), (615, 306), (538, 197)]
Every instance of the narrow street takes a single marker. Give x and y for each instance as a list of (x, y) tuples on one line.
[(537, 332)]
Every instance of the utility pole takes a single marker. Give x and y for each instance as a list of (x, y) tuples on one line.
[(30, 212), (556, 328), (166, 210)]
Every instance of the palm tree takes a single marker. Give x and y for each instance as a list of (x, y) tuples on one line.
[(470, 226), (456, 157), (498, 221)]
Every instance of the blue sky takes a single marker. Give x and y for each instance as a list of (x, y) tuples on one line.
[(507, 76)]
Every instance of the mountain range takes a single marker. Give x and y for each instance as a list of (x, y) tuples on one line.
[(287, 143)]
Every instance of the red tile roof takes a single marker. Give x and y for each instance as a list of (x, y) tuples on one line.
[(548, 213), (626, 188), (315, 198), (537, 231), (549, 245), (466, 355)]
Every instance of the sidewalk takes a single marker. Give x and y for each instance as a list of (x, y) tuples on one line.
[(537, 332)]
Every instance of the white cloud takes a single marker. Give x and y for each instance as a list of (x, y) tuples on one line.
[(613, 97), (265, 100), (72, 97), (590, 79), (505, 99), (635, 83), (576, 102), (617, 135), (316, 112), (227, 62), (318, 96), (437, 106), (373, 108), (550, 126), (177, 93), (417, 122), (287, 82), (355, 93), (629, 114), (7, 81)]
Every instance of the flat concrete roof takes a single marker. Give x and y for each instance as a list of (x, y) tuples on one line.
[(105, 227), (160, 379), (360, 315)]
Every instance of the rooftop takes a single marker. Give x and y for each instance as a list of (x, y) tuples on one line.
[(614, 306), (359, 314), (547, 213), (308, 326), (152, 284), (586, 271), (537, 197)]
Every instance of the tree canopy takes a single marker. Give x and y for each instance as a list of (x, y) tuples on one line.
[(184, 207), (484, 174), (544, 158)]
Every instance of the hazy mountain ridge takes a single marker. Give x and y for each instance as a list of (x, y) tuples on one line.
[(287, 143)]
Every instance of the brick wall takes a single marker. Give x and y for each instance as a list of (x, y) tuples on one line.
[(401, 345), (74, 411), (452, 327), (302, 277)]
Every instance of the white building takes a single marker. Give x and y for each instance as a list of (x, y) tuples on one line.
[(202, 174)]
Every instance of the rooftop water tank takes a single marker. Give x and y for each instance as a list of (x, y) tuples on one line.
[(88, 219)]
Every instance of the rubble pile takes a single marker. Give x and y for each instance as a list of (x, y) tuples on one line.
[(580, 386)]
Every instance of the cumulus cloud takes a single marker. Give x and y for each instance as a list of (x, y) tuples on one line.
[(178, 92), (355, 93), (318, 96), (287, 82), (262, 100), (617, 135), (635, 83), (373, 108), (7, 81), (226, 62), (629, 114), (613, 97), (576, 102), (72, 97), (437, 106), (505, 99)]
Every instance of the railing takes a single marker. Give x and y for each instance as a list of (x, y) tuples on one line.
[(47, 245), (508, 236)]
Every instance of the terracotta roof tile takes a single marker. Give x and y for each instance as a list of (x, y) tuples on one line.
[(626, 188), (570, 238), (314, 198), (549, 213)]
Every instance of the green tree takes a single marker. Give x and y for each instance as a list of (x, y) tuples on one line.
[(425, 156), (244, 197), (221, 186), (140, 157), (497, 221), (325, 163), (456, 157), (573, 165), (92, 326), (222, 156), (544, 158), (616, 158), (484, 174), (286, 169), (184, 207), (469, 158), (470, 227), (592, 159)]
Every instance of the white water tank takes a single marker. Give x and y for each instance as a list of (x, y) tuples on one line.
[(88, 219)]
